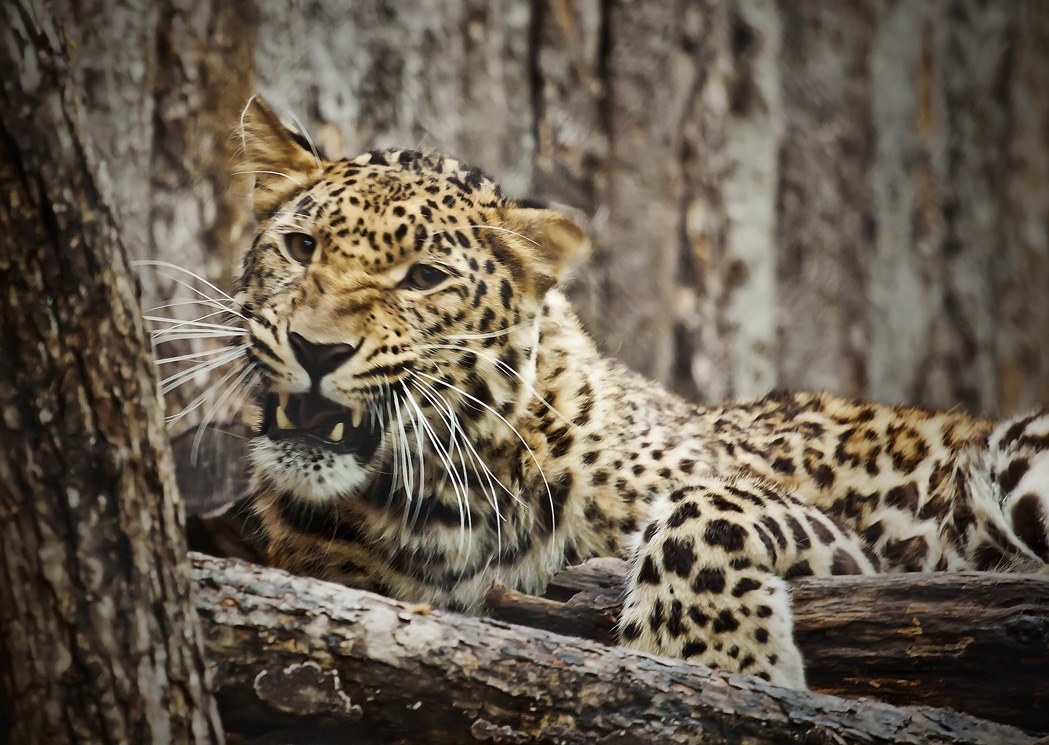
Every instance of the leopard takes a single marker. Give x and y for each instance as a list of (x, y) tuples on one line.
[(434, 418)]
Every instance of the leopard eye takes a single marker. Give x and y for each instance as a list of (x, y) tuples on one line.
[(300, 247), (423, 277)]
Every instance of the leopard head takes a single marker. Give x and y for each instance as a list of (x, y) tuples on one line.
[(388, 299)]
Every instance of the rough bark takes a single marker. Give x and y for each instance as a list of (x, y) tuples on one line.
[(834, 196), (845, 197), (822, 231), (199, 211), (99, 639), (639, 186), (1023, 273), (448, 76), (978, 643), (113, 63), (163, 85), (903, 254), (290, 650)]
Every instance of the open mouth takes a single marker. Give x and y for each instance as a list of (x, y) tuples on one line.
[(313, 418)]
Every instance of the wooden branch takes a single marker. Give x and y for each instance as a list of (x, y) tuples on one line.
[(291, 650), (978, 643)]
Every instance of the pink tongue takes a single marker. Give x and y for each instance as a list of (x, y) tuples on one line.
[(314, 411)]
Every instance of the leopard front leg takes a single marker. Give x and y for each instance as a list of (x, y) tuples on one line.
[(1018, 454), (707, 580)]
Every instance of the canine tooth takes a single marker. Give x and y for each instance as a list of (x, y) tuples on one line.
[(336, 432), (283, 399), (282, 419), (357, 417)]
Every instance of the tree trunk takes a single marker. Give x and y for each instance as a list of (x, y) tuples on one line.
[(849, 197), (199, 210), (164, 84), (978, 643), (100, 641), (839, 196), (297, 653)]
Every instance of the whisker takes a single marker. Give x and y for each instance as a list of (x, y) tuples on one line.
[(199, 400), (440, 403), (395, 446), (176, 267), (215, 303), (194, 451), (197, 323), (407, 464), (180, 303), (492, 334), (416, 511), (409, 486), (171, 319), (453, 422), (230, 433), (306, 135), (458, 488), (175, 380), (506, 368), (243, 112), (271, 173), (190, 334), (513, 429), (463, 476), (194, 355)]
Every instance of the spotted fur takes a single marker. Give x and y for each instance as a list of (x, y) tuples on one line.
[(498, 443)]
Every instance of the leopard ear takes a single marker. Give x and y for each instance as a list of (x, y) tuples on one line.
[(556, 239), (281, 159)]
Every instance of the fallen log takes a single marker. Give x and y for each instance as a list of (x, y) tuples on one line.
[(294, 652), (974, 642)]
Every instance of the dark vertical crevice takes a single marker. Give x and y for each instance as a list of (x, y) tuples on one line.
[(856, 334), (1006, 220), (605, 115), (164, 60), (783, 252), (599, 176), (686, 341), (536, 81)]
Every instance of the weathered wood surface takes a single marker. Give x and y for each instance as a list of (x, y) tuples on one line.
[(291, 650), (974, 642), (978, 642), (99, 642)]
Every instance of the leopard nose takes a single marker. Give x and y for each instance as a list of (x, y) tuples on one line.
[(318, 359)]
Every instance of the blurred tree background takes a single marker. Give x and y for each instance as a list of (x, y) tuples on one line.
[(849, 196)]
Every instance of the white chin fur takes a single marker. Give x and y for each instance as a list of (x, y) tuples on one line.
[(291, 466)]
